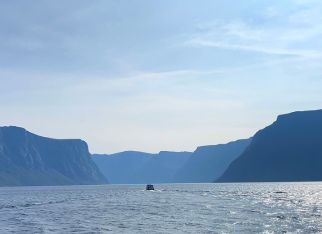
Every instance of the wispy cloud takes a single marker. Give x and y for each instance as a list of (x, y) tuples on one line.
[(255, 48), (276, 33), (129, 82)]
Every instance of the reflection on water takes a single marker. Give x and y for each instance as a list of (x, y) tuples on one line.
[(177, 208)]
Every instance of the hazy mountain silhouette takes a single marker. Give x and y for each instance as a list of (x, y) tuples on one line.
[(288, 150), (131, 167), (163, 167), (28, 159), (121, 168), (207, 163)]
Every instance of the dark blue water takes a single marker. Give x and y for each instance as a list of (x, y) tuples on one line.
[(181, 208)]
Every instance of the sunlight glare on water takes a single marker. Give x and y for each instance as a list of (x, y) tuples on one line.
[(173, 208)]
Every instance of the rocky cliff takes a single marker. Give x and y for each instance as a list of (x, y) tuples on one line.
[(28, 159)]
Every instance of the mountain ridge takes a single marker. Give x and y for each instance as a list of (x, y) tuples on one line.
[(208, 162), (140, 167), (30, 159), (289, 149)]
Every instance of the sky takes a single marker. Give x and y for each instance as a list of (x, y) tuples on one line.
[(157, 75)]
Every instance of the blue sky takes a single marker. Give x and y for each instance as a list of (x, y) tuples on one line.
[(157, 75)]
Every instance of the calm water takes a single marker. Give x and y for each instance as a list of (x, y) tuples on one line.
[(190, 208)]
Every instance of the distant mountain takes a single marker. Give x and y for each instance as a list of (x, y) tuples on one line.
[(133, 167), (208, 163), (288, 150), (122, 168), (28, 159), (163, 167)]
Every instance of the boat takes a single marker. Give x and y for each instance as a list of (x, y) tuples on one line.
[(149, 187)]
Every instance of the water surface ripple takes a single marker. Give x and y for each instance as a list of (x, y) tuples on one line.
[(172, 208)]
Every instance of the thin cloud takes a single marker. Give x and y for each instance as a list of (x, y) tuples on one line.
[(255, 48), (290, 35)]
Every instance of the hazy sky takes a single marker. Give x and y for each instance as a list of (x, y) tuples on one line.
[(157, 75)]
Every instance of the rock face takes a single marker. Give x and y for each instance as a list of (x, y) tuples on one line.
[(131, 167), (288, 150), (208, 163), (28, 159)]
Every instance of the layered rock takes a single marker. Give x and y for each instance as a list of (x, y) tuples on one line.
[(28, 159)]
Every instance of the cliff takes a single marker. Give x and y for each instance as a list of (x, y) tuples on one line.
[(28, 159)]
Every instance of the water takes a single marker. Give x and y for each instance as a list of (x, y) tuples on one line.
[(181, 208)]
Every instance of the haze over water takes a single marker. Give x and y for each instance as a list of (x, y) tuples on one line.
[(173, 208)]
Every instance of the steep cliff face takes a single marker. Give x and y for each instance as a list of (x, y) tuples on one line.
[(28, 159), (207, 163), (288, 150)]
